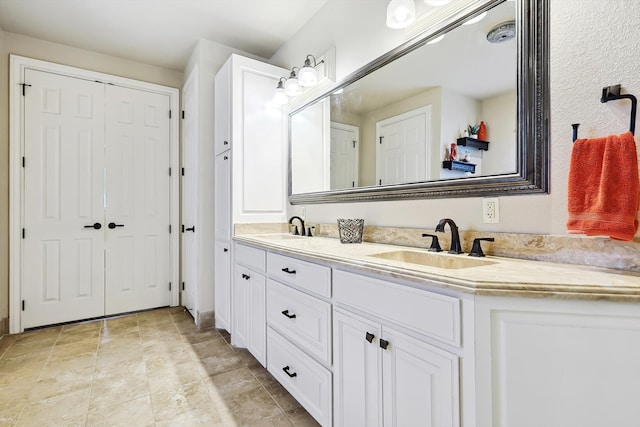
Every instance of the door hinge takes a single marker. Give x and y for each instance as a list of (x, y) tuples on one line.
[(22, 305), (381, 139), (169, 171), (182, 171), (354, 144), (24, 85), (183, 286), (353, 183), (23, 161), (380, 181), (23, 233), (169, 113), (169, 228), (169, 285), (182, 114)]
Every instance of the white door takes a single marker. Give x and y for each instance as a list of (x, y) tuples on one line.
[(357, 378), (420, 383), (222, 255), (63, 254), (189, 259), (137, 200), (401, 156), (344, 156)]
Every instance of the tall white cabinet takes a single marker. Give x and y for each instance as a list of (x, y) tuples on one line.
[(250, 176)]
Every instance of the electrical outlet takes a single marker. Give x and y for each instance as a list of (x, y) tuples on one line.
[(303, 212), (491, 210)]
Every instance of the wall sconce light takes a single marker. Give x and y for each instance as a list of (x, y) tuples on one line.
[(400, 13), (308, 74), (292, 85), (279, 97)]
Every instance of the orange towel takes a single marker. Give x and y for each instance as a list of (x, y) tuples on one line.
[(604, 191)]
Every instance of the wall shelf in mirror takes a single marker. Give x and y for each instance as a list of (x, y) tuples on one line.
[(456, 165), (472, 142)]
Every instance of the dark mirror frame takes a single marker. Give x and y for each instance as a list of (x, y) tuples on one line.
[(532, 174)]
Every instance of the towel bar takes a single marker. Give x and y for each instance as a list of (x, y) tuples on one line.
[(612, 93)]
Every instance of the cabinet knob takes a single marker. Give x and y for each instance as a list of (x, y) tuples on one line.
[(369, 337), (384, 344), (286, 270), (225, 143), (291, 374), (290, 316), (225, 250)]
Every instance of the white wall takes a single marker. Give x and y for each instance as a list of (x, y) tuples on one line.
[(593, 44), (499, 114)]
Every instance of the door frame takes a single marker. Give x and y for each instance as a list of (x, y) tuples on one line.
[(18, 65)]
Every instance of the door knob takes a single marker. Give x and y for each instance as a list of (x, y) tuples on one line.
[(97, 226), (113, 225)]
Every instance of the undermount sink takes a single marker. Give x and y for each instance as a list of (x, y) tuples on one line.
[(279, 236), (429, 259)]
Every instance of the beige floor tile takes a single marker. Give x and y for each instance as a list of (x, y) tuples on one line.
[(30, 347), (283, 398), (12, 400), (221, 363), (76, 362), (213, 347), (189, 397), (9, 417), (165, 374), (82, 335), (113, 390), (63, 383), (82, 327), (253, 406), (66, 410), (137, 412), (194, 418), (201, 336), (301, 418), (61, 351), (231, 383)]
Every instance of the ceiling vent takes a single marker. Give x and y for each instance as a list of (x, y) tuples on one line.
[(502, 32)]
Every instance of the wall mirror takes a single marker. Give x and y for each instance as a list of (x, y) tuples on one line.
[(385, 131)]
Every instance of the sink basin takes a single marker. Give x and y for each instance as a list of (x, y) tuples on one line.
[(429, 259), (279, 236)]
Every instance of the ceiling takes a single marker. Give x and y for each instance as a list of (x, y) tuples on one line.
[(159, 32)]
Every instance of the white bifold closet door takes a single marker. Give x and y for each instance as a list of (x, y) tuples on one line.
[(95, 154)]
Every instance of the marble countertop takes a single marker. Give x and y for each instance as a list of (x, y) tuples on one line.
[(491, 275)]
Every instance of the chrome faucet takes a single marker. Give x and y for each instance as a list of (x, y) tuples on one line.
[(455, 237), (304, 233)]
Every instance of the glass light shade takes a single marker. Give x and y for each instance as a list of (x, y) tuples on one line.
[(437, 39), (292, 87), (279, 97), (400, 13), (308, 76)]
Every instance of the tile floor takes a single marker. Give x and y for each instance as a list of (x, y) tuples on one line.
[(147, 369)]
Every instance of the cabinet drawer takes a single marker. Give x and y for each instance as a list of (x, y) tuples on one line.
[(422, 311), (303, 319), (302, 376), (313, 277), (250, 257)]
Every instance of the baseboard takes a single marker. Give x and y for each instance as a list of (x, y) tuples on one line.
[(4, 326), (205, 320)]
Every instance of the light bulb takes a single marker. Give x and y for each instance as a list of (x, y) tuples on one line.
[(279, 97), (292, 87), (400, 13)]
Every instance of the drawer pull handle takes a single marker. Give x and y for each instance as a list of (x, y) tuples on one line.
[(286, 371), (384, 344), (369, 337), (290, 316), (286, 270), (246, 276)]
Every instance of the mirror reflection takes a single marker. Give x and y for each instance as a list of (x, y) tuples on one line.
[(397, 124)]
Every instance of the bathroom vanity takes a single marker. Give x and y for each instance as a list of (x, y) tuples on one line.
[(374, 334)]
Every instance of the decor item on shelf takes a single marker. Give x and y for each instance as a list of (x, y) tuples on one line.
[(350, 230), (400, 13), (482, 131), (465, 157), (473, 131), (453, 151)]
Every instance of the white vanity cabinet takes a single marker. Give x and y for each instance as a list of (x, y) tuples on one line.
[(249, 296), (250, 166), (384, 376), (299, 351)]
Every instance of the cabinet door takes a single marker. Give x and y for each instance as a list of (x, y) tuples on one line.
[(222, 109), (357, 385), (222, 261), (240, 311), (257, 318), (222, 198), (420, 383)]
